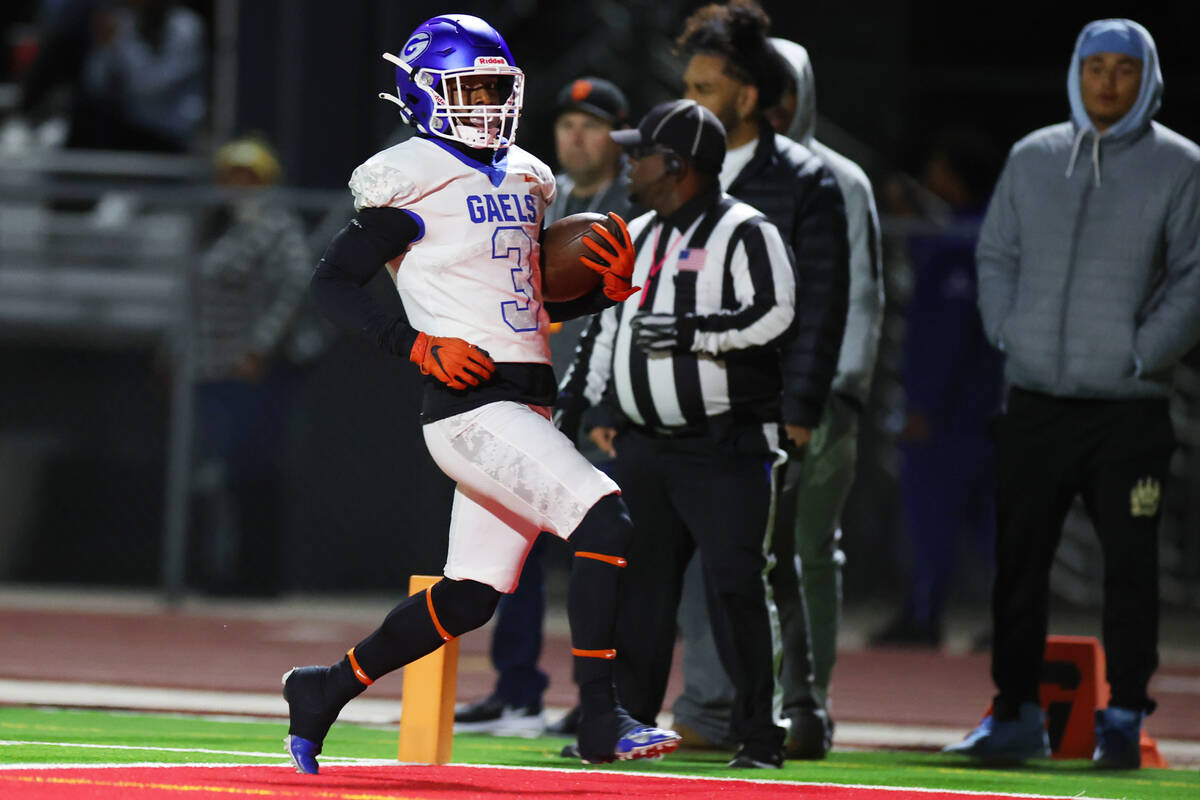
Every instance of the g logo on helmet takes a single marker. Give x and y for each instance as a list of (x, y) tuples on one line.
[(415, 46)]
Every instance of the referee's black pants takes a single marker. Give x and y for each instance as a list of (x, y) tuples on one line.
[(712, 494), (1114, 454)]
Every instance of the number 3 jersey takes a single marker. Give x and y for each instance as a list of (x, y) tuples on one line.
[(471, 273)]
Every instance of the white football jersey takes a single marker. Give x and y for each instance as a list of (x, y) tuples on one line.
[(474, 272)]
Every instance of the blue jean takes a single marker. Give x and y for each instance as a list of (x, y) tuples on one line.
[(947, 487), (239, 488)]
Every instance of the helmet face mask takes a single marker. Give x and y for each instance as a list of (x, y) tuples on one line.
[(441, 67), (454, 117)]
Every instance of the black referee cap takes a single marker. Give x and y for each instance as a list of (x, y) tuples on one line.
[(683, 126)]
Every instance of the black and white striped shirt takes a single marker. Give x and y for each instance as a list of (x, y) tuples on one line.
[(721, 260), (250, 289)]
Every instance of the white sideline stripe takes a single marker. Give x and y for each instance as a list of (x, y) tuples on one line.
[(147, 748), (155, 764), (387, 712), (613, 776), (1176, 684), (1177, 752), (874, 733), (96, 695)]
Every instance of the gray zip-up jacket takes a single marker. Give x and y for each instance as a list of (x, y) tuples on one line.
[(864, 319), (1089, 266)]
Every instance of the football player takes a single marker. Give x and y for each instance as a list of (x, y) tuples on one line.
[(456, 213)]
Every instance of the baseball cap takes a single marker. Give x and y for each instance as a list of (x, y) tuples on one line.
[(684, 126), (251, 153), (594, 96), (1111, 36)]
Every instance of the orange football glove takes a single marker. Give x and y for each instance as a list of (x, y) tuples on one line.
[(454, 362), (616, 264)]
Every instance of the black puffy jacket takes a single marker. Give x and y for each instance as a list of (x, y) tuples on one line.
[(798, 193)]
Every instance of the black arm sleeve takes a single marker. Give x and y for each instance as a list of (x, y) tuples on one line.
[(593, 302), (338, 288)]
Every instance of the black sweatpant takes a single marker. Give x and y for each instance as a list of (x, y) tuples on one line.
[(1114, 453), (711, 493)]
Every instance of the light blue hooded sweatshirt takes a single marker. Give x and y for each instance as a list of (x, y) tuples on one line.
[(864, 319), (1089, 257)]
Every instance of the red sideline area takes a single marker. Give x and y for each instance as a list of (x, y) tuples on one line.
[(413, 783)]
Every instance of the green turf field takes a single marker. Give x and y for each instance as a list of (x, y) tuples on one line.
[(35, 736)]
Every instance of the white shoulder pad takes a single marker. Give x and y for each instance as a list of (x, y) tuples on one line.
[(375, 184)]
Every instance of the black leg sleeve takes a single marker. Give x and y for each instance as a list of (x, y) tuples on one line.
[(412, 630), (601, 542)]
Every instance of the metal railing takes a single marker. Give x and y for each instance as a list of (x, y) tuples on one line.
[(69, 277), (73, 273)]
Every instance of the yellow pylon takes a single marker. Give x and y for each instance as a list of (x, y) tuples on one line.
[(427, 699)]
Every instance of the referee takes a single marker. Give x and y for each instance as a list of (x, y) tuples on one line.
[(688, 372)]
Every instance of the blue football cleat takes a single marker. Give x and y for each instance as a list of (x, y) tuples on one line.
[(1118, 738), (616, 736), (646, 741), (303, 753), (1007, 740), (309, 715)]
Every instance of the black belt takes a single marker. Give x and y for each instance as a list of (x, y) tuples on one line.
[(672, 431)]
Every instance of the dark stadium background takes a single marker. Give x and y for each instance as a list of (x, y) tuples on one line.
[(367, 506)]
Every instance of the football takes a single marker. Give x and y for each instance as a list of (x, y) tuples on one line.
[(564, 277)]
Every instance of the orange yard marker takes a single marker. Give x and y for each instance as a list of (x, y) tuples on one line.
[(1074, 684), (427, 698)]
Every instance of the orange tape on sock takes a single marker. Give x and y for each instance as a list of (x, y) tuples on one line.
[(358, 671), (608, 655), (433, 615), (616, 561)]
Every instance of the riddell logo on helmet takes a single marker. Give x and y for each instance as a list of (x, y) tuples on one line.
[(490, 61)]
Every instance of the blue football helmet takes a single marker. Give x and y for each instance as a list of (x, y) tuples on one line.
[(445, 56)]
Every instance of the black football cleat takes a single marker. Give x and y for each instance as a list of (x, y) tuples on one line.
[(811, 735), (746, 759)]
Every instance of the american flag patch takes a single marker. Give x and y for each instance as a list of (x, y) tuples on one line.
[(691, 260)]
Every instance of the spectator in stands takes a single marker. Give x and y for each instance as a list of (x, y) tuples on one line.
[(137, 69), (62, 38), (953, 384), (144, 81), (252, 340), (1089, 281), (589, 109)]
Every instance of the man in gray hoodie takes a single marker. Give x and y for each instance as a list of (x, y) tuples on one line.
[(1089, 281)]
